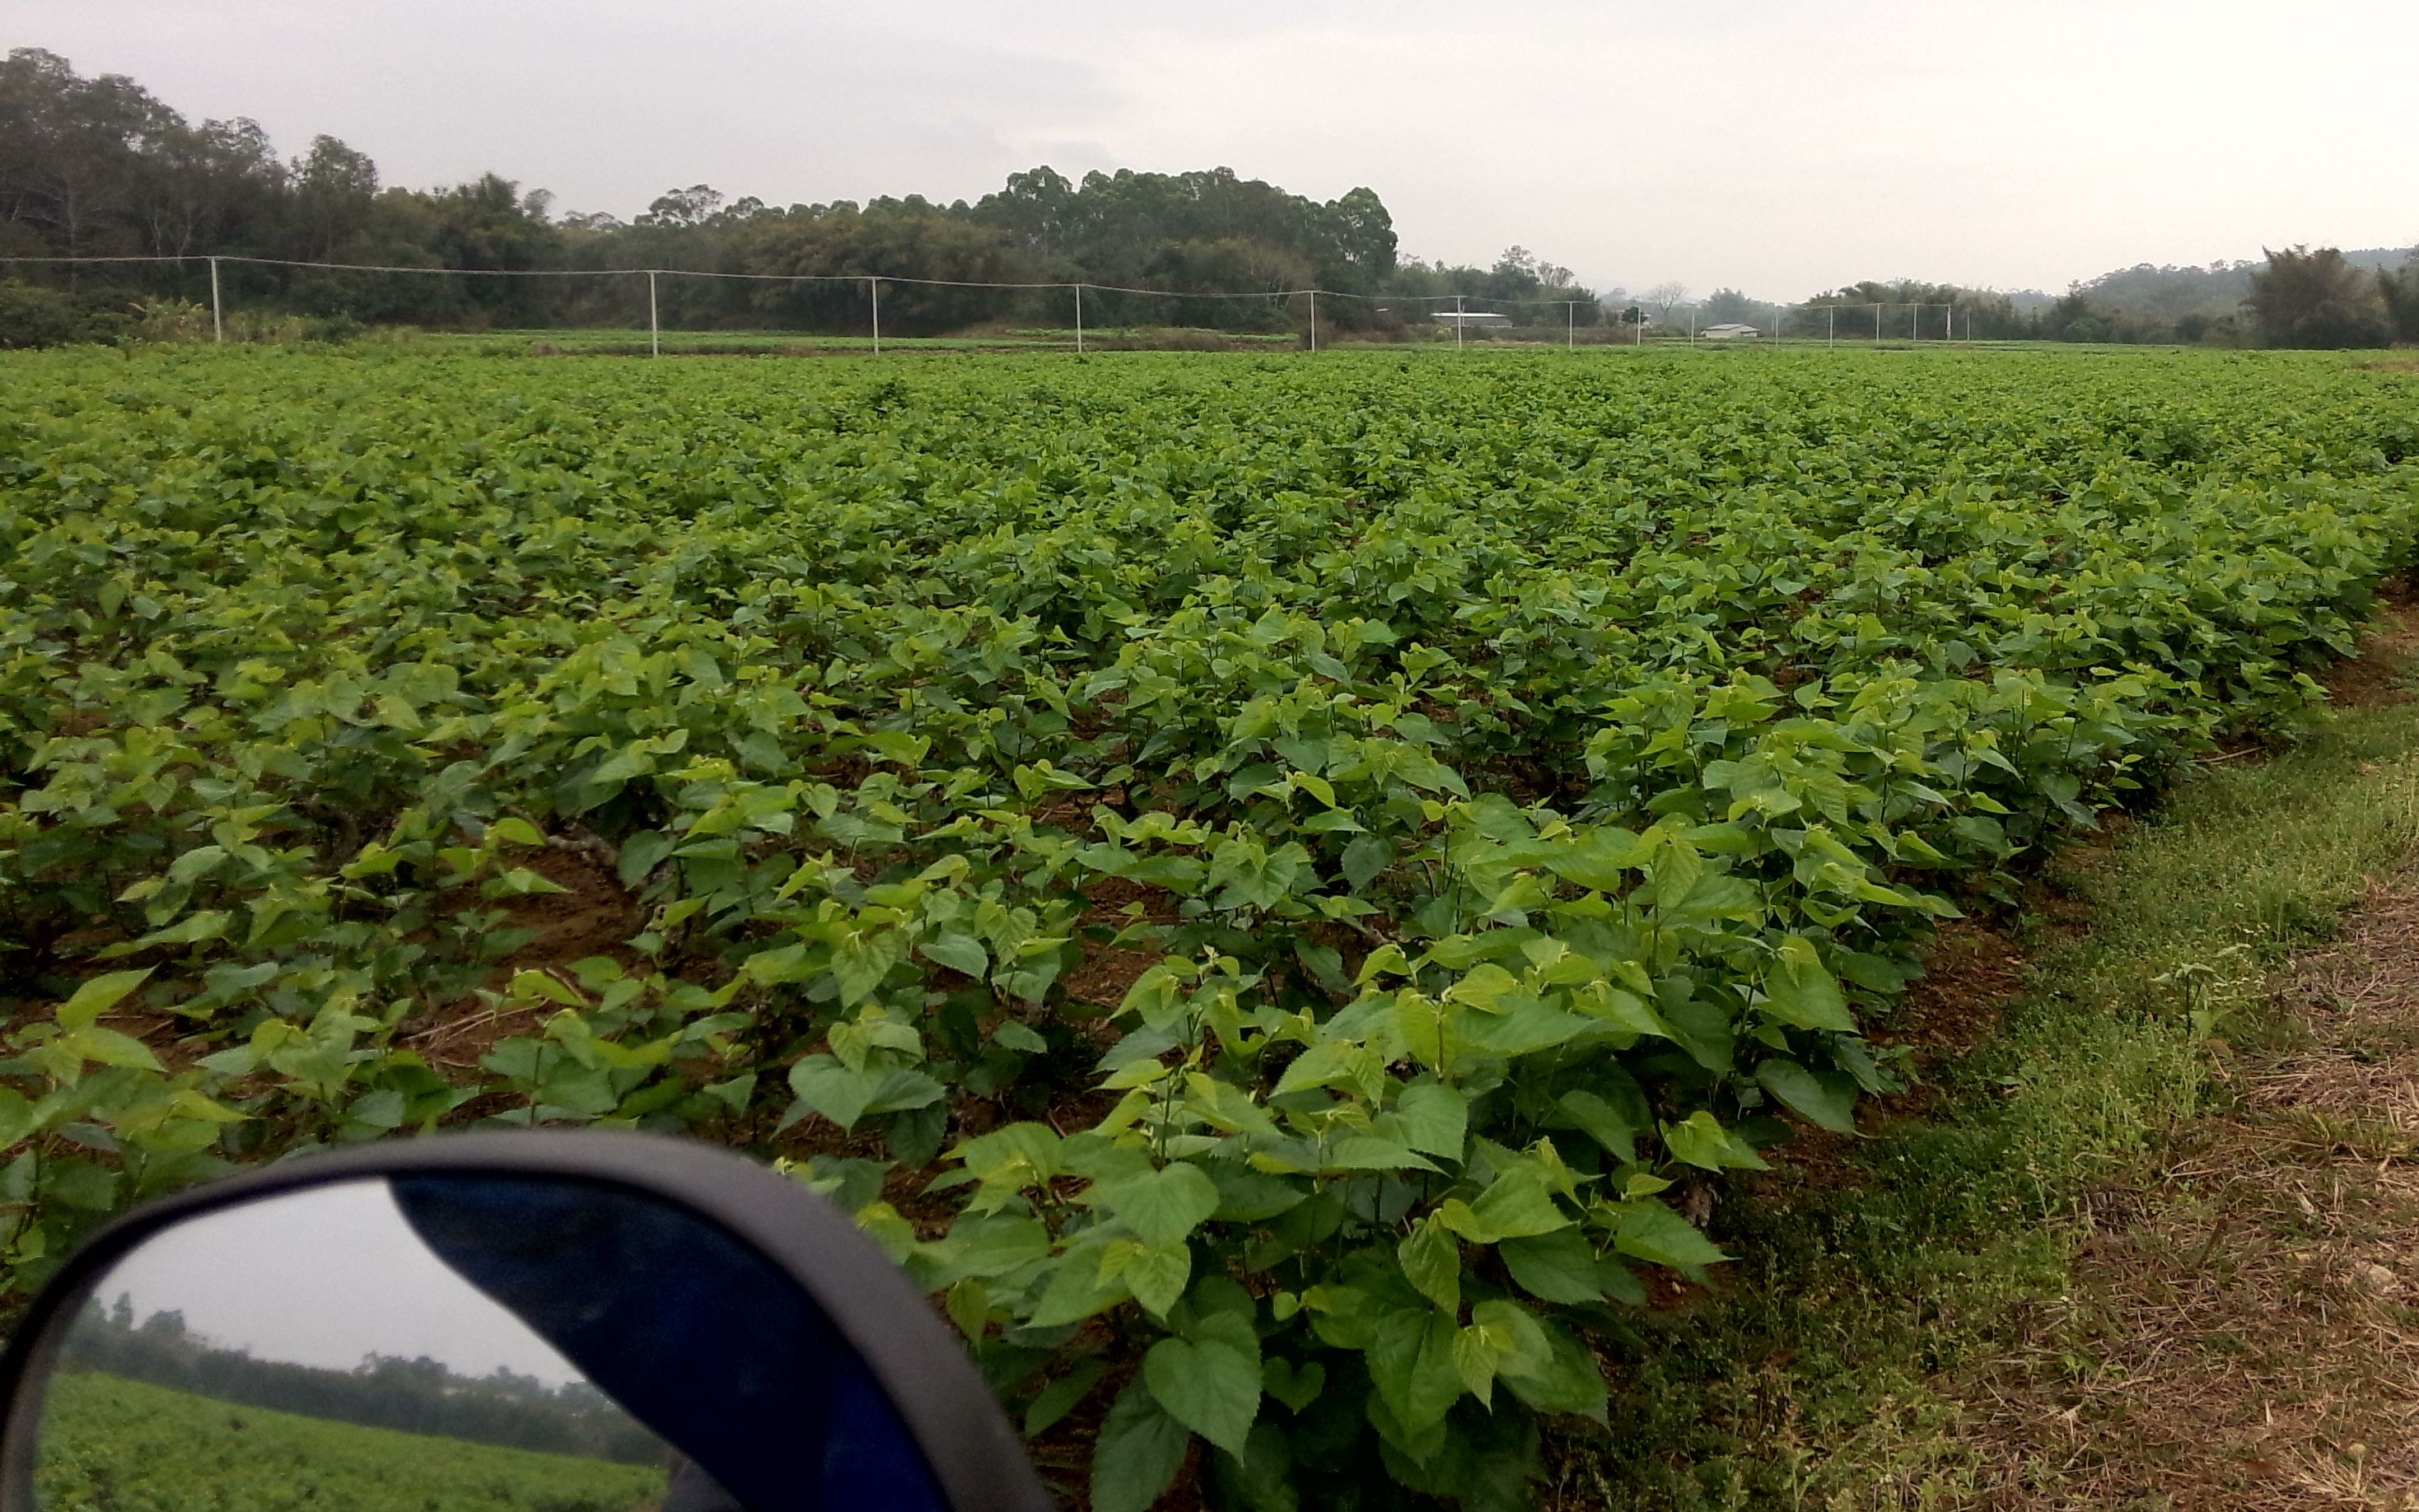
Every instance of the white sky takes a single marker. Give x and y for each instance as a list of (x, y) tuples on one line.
[(322, 1277), (1776, 146)]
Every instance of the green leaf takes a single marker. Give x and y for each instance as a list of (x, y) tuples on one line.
[(1077, 1291), (196, 864), (641, 853), (1329, 1063), (1516, 1205), (905, 1089), (515, 832), (1019, 1036), (1568, 1379), (1411, 1363), (1501, 1340), (1158, 1275), (1602, 1122), (1431, 1260), (962, 953), (1062, 1397), (1557, 1267), (98, 995), (860, 960), (1246, 1195), (16, 1117), (1800, 994), (1825, 1103), (985, 1248), (1296, 1388), (1600, 859), (1161, 1206), (80, 1183), (110, 1048), (840, 1094), (1701, 1140), (1435, 1119), (1139, 1450), (1527, 1029), (1208, 1387), (1375, 1153), (1367, 856), (1652, 1232)]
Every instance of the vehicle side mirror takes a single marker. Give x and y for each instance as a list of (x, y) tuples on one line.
[(515, 1322)]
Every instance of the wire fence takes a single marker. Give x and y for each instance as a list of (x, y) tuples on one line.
[(851, 304)]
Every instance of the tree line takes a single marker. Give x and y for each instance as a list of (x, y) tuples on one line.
[(101, 167), (2298, 297), (410, 1396)]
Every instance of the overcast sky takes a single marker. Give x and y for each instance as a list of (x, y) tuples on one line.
[(1781, 147), (322, 1277)]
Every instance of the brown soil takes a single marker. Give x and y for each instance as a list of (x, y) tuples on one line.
[(2379, 674), (1969, 974), (596, 916)]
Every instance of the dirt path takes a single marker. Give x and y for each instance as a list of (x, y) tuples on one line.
[(2245, 1332)]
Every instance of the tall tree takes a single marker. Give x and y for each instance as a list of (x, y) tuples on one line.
[(335, 190), (2399, 288), (71, 148), (2316, 298), (210, 188)]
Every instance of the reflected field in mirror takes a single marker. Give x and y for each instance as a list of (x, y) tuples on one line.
[(316, 1340), (423, 1343)]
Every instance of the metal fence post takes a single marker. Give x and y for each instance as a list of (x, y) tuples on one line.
[(1313, 319), (655, 329), (1079, 318), (873, 287), (1570, 325), (1457, 322), (218, 327)]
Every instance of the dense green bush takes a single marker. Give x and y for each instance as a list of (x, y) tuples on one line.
[(32, 315)]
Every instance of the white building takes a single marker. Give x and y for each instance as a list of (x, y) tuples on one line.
[(1730, 330)]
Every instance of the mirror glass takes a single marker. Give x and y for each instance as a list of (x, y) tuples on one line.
[(427, 1343)]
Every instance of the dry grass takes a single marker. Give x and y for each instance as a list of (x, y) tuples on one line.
[(2244, 1334)]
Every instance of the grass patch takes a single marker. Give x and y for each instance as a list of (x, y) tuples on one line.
[(1825, 1370), (112, 1444)]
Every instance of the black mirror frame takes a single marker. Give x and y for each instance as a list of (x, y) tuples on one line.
[(974, 1454)]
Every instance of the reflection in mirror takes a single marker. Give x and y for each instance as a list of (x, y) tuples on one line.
[(426, 1343)]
